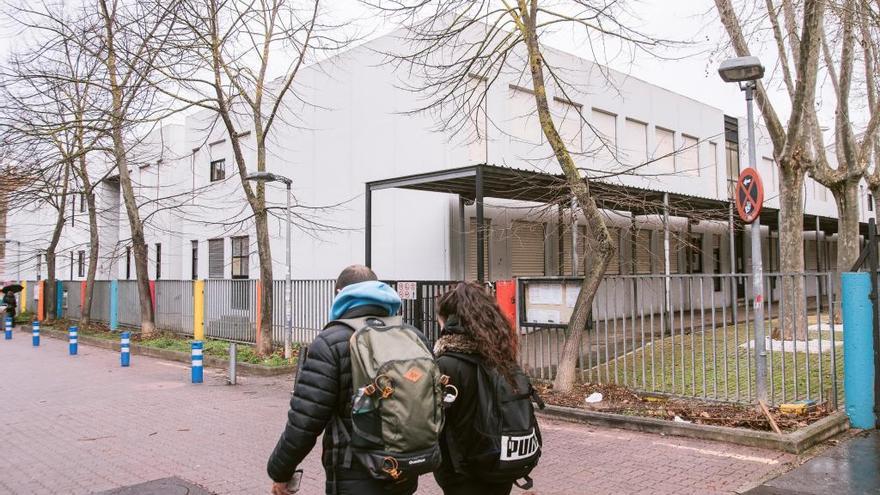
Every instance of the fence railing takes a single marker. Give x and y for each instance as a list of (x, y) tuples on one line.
[(691, 335)]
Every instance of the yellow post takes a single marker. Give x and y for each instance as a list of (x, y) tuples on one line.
[(199, 310), (23, 299)]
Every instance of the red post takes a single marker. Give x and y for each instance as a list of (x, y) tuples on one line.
[(505, 294), (153, 294), (82, 295)]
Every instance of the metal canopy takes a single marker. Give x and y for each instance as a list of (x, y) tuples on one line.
[(476, 182)]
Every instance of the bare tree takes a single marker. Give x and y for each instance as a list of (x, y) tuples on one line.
[(244, 58), (450, 44), (792, 144)]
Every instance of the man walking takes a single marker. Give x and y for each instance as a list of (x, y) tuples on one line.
[(323, 392)]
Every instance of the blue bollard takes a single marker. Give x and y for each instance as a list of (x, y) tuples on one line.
[(858, 348), (36, 334), (8, 334), (73, 332), (125, 349), (197, 371)]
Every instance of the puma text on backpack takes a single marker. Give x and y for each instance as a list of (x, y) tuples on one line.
[(396, 411), (508, 443)]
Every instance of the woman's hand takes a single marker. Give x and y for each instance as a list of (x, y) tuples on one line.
[(280, 489)]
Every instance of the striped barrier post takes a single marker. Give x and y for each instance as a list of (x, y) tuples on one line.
[(36, 334), (114, 305), (8, 328), (73, 346), (125, 349), (197, 371)]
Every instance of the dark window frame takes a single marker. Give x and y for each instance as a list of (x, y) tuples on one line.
[(218, 170), (128, 262), (194, 260), (81, 263), (158, 260), (242, 257)]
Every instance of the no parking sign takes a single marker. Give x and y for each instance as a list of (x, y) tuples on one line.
[(749, 195)]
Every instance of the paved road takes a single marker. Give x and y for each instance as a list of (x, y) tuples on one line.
[(82, 424)]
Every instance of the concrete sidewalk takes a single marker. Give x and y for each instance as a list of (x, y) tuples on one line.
[(851, 468), (81, 424)]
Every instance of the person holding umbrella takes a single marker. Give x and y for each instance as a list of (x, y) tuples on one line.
[(9, 300)]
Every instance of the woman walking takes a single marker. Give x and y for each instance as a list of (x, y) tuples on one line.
[(490, 438)]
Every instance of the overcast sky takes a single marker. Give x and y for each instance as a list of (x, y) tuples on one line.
[(684, 20)]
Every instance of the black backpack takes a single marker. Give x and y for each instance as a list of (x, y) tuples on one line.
[(508, 442)]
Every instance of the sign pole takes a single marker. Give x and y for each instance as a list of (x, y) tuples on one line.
[(757, 265)]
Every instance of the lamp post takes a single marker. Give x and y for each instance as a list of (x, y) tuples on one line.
[(17, 255), (747, 71), (288, 310)]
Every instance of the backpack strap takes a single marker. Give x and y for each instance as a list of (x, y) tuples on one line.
[(356, 324)]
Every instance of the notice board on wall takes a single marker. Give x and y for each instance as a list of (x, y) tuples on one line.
[(547, 302)]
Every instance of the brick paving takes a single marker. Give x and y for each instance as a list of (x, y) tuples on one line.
[(82, 424)]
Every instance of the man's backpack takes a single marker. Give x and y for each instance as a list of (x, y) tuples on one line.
[(396, 410), (508, 441)]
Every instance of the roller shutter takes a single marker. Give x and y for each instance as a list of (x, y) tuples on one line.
[(215, 258), (810, 255), (472, 248), (527, 256), (643, 251)]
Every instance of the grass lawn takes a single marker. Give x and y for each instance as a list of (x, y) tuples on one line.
[(716, 365)]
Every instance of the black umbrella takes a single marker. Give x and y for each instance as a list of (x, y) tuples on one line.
[(14, 288)]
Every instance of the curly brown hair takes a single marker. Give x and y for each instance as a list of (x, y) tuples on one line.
[(481, 319)]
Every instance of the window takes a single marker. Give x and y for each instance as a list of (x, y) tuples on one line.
[(81, 264), (128, 263), (215, 258), (716, 261), (732, 158), (636, 141), (195, 260), (72, 210), (695, 253), (39, 267), (605, 125), (240, 257), (524, 125), (870, 201), (218, 170), (82, 202), (570, 123), (158, 261), (664, 150), (712, 164), (690, 155)]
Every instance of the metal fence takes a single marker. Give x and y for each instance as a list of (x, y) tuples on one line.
[(129, 304), (73, 300), (686, 335), (101, 301), (174, 306), (231, 310)]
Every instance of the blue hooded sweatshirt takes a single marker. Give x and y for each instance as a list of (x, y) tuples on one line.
[(370, 293)]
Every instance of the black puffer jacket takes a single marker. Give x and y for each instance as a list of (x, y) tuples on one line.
[(461, 414), (322, 400)]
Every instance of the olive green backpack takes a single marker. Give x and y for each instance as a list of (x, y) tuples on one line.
[(396, 410)]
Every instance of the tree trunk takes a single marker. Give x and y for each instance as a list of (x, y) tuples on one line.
[(566, 371), (49, 302), (791, 249), (94, 240), (117, 121), (846, 196), (264, 337)]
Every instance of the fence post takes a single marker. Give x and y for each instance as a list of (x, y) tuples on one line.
[(233, 351), (114, 304), (41, 300), (82, 297), (73, 340), (8, 333), (59, 299), (858, 348), (199, 310), (125, 349), (197, 371), (36, 334), (153, 296), (24, 297)]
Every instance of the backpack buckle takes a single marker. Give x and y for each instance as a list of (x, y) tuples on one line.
[(390, 466), (384, 383)]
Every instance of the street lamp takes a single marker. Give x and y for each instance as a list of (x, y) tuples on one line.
[(747, 71), (288, 310), (17, 255)]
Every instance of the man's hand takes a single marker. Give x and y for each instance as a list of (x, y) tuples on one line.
[(280, 489)]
